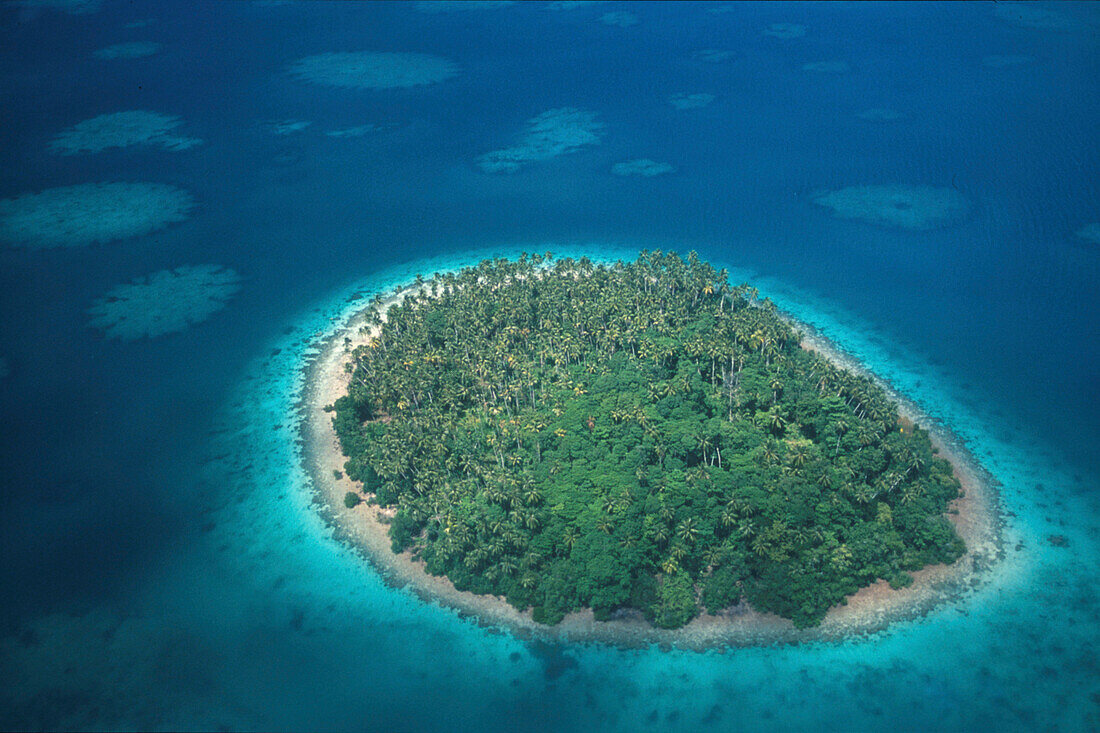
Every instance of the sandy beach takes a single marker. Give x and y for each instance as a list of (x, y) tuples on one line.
[(975, 516)]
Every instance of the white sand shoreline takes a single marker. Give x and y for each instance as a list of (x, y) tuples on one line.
[(870, 610)]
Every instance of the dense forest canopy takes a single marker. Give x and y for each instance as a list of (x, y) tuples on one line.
[(567, 434)]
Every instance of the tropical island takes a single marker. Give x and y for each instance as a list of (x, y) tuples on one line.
[(568, 435)]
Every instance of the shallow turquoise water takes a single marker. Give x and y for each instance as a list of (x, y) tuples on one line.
[(942, 668), (164, 565)]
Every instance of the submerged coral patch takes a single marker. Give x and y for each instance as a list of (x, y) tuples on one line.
[(120, 130), (285, 127), (827, 67), (908, 207), (641, 167), (1090, 232), (553, 133), (785, 30), (80, 670), (90, 213), (714, 55), (371, 70), (690, 101), (357, 131), (164, 302), (131, 50), (620, 18)]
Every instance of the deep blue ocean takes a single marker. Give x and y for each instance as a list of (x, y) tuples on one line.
[(163, 565)]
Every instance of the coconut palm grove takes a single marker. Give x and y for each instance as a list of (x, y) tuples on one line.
[(636, 435)]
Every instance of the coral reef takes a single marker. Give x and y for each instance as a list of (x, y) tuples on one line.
[(553, 133), (370, 70), (106, 687), (1090, 232), (130, 50), (641, 167), (714, 55), (690, 101), (785, 30), (90, 213), (357, 131), (285, 127), (120, 130), (164, 302), (620, 18), (918, 208)]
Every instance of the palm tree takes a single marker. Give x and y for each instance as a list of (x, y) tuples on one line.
[(841, 428), (770, 451), (666, 513), (660, 534), (776, 385), (800, 456), (688, 531), (776, 421), (531, 495)]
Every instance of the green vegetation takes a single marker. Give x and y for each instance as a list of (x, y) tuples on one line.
[(643, 435), (351, 500)]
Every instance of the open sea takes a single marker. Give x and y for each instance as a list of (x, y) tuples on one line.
[(163, 563)]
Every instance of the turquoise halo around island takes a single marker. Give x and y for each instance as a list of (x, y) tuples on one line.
[(331, 320), (552, 431), (277, 532)]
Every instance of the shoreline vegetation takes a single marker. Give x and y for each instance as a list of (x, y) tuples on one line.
[(365, 526)]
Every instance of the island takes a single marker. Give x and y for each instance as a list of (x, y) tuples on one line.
[(626, 438)]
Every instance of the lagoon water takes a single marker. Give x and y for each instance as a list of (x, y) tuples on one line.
[(164, 564)]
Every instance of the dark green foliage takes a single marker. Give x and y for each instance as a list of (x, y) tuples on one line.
[(675, 604), (351, 500), (638, 435)]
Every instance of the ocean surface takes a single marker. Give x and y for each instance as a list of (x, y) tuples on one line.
[(164, 565)]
